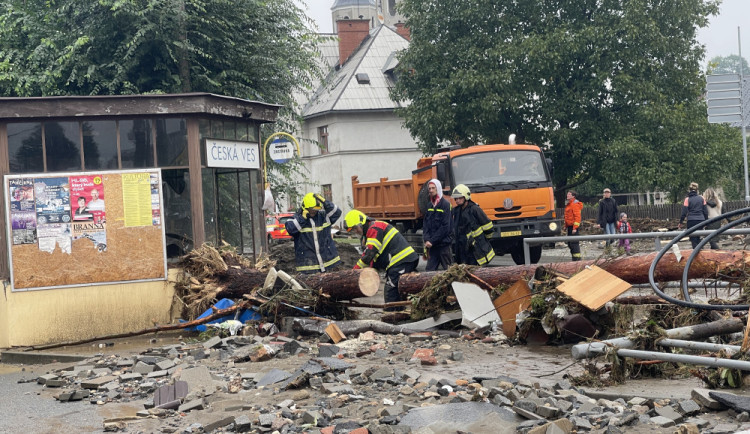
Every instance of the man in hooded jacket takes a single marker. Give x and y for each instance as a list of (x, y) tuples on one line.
[(436, 229)]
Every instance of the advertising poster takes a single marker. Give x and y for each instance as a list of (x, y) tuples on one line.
[(23, 227), (52, 197), (54, 234), (87, 199), (22, 211), (21, 194), (136, 199), (155, 200)]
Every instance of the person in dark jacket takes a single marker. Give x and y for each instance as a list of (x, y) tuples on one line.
[(694, 210), (436, 229), (314, 248), (472, 230), (385, 249), (608, 214)]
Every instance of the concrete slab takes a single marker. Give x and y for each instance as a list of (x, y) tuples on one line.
[(456, 416), (37, 358)]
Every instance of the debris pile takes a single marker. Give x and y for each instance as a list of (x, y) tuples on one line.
[(381, 384)]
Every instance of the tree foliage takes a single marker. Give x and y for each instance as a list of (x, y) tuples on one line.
[(727, 65), (612, 86), (260, 50)]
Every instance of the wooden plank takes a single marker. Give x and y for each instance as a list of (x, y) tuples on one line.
[(593, 287), (515, 299), (334, 332)]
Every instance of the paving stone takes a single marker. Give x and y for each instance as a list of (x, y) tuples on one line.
[(211, 343), (42, 379), (218, 423), (527, 414), (94, 383), (700, 423), (688, 407), (735, 402), (266, 419), (80, 394), (702, 397), (382, 373), (662, 421), (328, 350), (242, 423), (165, 365), (639, 401), (143, 368), (526, 404), (130, 377), (581, 423), (157, 374), (272, 377), (669, 413), (724, 428), (55, 383), (196, 404), (547, 412)]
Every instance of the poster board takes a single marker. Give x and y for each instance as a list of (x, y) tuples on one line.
[(84, 228)]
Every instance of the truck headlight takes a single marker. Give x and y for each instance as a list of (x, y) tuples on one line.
[(553, 226)]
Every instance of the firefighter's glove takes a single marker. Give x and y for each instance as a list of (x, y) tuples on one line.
[(305, 214), (321, 200)]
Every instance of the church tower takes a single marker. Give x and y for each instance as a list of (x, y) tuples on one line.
[(376, 12)]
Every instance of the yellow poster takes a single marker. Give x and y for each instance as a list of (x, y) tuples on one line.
[(136, 199)]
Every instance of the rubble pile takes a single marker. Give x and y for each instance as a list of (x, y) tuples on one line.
[(373, 383)]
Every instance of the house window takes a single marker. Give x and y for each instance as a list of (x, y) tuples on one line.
[(327, 192), (323, 139)]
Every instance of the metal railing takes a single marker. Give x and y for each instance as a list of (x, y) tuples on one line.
[(656, 235)]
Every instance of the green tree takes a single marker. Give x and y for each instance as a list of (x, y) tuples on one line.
[(254, 49), (727, 65), (591, 78)]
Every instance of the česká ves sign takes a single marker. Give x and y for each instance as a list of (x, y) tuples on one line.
[(232, 154)]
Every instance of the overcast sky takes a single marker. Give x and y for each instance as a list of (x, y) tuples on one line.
[(720, 37)]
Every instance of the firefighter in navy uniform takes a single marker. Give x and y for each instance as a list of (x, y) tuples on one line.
[(314, 248), (385, 249), (472, 230)]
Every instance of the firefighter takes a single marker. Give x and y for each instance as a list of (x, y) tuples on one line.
[(472, 230), (436, 229), (385, 249), (573, 209), (314, 248)]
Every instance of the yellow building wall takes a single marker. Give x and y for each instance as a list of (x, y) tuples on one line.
[(76, 313)]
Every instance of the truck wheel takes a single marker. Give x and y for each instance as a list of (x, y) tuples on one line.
[(423, 198), (535, 254)]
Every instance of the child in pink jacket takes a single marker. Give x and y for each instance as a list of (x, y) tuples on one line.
[(623, 227)]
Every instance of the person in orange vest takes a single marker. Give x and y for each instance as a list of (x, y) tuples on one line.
[(573, 209), (385, 249)]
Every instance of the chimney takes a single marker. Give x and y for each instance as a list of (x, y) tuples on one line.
[(351, 33), (402, 30)]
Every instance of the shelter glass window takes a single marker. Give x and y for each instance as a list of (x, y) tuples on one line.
[(99, 145), (171, 142), (177, 211), (62, 143), (136, 143), (25, 147)]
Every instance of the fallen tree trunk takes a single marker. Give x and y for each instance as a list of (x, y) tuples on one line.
[(717, 264), (337, 285)]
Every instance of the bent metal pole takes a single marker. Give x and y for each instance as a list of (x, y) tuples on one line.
[(699, 331)]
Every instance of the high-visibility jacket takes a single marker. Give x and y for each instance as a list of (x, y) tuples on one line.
[(314, 248), (385, 247), (573, 213), (473, 230)]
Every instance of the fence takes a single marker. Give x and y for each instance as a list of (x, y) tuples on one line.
[(656, 212)]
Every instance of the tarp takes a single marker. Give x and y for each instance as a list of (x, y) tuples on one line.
[(245, 315)]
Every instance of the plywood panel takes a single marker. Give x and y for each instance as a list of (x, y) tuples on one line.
[(593, 287), (132, 253), (515, 299)]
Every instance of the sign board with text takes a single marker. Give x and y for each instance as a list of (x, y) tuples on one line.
[(232, 154)]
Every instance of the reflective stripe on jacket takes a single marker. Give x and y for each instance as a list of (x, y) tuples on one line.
[(472, 231), (314, 248), (385, 247)]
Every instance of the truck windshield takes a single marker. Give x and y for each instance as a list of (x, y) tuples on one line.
[(499, 167)]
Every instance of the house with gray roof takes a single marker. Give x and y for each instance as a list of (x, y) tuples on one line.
[(349, 124)]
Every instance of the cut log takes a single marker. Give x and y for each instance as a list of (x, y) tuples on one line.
[(338, 285), (717, 264)]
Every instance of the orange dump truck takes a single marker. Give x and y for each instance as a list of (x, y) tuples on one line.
[(512, 183)]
